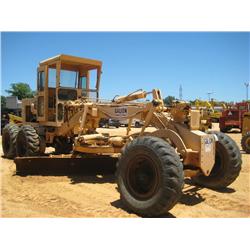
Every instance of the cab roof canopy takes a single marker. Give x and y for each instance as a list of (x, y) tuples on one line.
[(72, 62)]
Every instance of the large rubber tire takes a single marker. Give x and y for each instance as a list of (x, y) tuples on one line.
[(245, 142), (137, 124), (63, 145), (149, 176), (226, 129), (28, 142), (227, 164), (9, 136)]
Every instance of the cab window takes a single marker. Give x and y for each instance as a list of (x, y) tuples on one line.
[(52, 77), (83, 85), (68, 78), (41, 80), (83, 82)]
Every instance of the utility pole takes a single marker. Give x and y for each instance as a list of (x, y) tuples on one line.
[(209, 95), (247, 86), (180, 92)]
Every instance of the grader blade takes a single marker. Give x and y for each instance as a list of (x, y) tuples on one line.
[(58, 165)]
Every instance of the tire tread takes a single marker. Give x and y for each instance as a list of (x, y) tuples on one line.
[(172, 174)]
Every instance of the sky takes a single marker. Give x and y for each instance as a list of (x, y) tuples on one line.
[(200, 62)]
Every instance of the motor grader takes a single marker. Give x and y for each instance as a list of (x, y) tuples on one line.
[(152, 165), (206, 110), (245, 140)]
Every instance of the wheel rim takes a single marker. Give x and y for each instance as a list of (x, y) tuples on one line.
[(21, 144), (142, 177)]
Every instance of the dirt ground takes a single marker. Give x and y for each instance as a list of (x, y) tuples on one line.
[(95, 194)]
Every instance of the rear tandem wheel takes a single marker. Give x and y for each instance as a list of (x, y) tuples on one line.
[(9, 138), (28, 142)]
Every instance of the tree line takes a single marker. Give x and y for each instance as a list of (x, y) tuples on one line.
[(21, 90)]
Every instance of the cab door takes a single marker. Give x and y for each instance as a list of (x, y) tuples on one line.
[(42, 89)]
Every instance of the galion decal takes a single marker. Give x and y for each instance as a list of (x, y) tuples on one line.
[(121, 111)]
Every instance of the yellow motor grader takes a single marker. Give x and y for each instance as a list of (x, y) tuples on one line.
[(151, 166), (245, 141)]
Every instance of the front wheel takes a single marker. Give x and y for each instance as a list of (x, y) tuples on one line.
[(227, 164), (149, 176)]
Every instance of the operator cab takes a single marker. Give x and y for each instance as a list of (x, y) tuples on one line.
[(63, 78)]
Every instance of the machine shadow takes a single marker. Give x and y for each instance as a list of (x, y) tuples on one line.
[(119, 205), (227, 190), (191, 195), (96, 170), (79, 170), (96, 177), (233, 131)]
